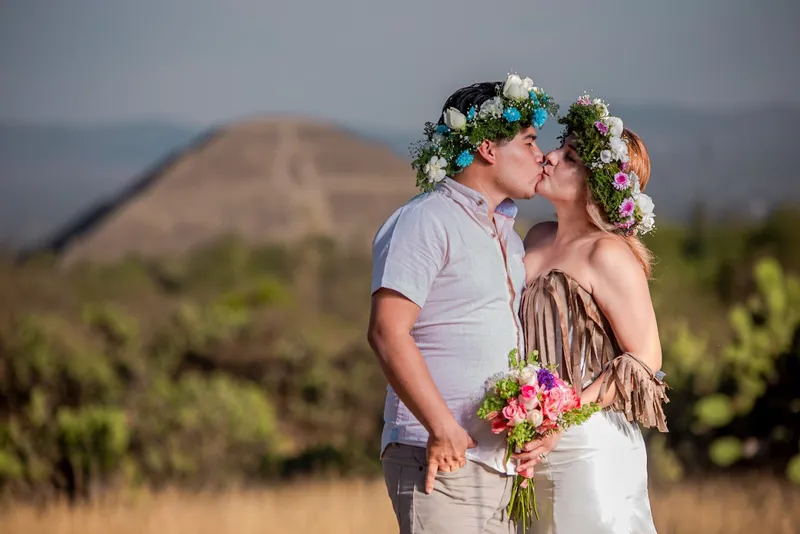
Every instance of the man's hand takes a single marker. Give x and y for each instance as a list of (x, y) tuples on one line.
[(532, 452), (447, 452)]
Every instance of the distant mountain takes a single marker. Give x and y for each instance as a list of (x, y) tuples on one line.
[(740, 162), (264, 180), (49, 173)]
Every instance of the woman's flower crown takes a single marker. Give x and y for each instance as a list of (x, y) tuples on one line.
[(601, 147), (448, 147)]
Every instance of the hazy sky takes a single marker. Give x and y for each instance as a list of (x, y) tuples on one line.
[(373, 62)]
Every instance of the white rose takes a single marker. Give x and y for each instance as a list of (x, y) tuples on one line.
[(514, 88), (454, 119), (618, 147), (527, 86), (436, 169), (606, 156), (535, 417), (647, 223), (528, 377), (645, 203), (491, 108), (601, 106), (615, 126), (530, 403)]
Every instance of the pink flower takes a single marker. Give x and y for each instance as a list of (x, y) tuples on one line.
[(571, 399), (528, 397), (601, 127), (624, 225), (491, 416), (627, 207), (621, 181), (499, 425), (585, 101), (515, 413), (624, 166), (553, 403)]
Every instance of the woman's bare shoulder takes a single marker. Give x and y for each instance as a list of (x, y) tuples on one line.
[(611, 261)]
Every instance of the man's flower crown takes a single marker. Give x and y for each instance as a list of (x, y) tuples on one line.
[(448, 147), (601, 147)]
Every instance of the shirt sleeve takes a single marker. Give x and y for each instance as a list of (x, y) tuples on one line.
[(408, 253)]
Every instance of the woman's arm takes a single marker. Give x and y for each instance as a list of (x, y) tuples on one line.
[(620, 288)]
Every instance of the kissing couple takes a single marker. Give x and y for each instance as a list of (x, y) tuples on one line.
[(455, 288)]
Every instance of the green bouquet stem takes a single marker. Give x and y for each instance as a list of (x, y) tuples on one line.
[(522, 505)]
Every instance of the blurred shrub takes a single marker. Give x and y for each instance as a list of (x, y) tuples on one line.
[(744, 408), (202, 429)]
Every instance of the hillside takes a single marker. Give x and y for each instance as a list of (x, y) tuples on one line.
[(266, 181)]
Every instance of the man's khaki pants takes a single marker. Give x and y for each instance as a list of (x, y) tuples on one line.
[(471, 500)]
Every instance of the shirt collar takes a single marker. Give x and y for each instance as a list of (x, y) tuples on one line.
[(474, 200)]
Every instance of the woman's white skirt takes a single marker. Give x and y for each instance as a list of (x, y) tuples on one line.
[(595, 481)]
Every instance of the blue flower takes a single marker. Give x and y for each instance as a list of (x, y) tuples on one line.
[(442, 129), (511, 114), (471, 113), (534, 99), (464, 159), (539, 118)]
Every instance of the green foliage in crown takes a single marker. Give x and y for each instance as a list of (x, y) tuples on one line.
[(602, 148), (448, 147)]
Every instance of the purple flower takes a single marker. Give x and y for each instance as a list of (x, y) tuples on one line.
[(626, 208), (624, 166), (621, 181), (601, 127), (546, 378)]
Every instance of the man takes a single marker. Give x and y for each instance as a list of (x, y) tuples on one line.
[(446, 284)]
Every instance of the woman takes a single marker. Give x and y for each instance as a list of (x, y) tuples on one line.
[(587, 309)]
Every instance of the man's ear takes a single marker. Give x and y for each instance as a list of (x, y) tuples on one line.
[(488, 151)]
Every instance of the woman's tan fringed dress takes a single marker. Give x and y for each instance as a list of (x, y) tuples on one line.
[(595, 481)]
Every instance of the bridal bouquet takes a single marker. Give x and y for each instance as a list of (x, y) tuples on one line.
[(529, 403)]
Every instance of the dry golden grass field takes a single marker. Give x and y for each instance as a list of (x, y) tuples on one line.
[(356, 507)]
